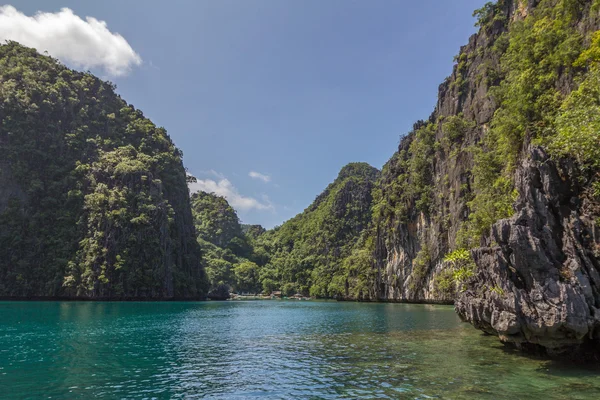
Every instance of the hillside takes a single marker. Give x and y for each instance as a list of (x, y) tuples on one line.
[(492, 203), (93, 196), (226, 246), (313, 252)]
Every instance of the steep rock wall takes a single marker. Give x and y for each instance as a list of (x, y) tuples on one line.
[(93, 196), (532, 278), (399, 240)]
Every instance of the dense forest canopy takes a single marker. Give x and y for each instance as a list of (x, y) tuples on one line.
[(318, 252), (226, 246), (93, 195)]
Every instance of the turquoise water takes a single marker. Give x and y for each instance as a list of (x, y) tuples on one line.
[(266, 349)]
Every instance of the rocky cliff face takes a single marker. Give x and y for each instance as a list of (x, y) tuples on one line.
[(458, 123), (93, 196), (532, 275)]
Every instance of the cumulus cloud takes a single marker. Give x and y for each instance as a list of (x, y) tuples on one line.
[(223, 187), (82, 44), (258, 175)]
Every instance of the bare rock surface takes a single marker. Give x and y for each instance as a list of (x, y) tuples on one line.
[(538, 283)]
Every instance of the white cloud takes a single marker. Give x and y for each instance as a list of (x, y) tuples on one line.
[(83, 44), (224, 188), (258, 175)]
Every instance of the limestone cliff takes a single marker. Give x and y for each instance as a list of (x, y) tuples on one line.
[(542, 263), (445, 141), (505, 168)]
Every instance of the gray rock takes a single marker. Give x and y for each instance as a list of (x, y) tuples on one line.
[(540, 284)]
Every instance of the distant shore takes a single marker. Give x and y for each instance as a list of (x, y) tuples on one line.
[(233, 298)]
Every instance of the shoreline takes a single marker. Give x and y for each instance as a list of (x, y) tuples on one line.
[(188, 299), (96, 299)]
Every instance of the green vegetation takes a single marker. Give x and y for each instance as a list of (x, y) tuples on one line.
[(455, 127), (324, 251), (420, 268), (498, 290), (93, 196), (539, 49), (246, 277), (217, 222), (227, 246), (488, 14), (578, 123), (461, 268), (95, 202), (406, 183)]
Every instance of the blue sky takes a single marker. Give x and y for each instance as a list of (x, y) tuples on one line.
[(291, 90)]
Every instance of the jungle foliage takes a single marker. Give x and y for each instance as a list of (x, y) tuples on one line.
[(227, 247), (94, 201), (326, 251)]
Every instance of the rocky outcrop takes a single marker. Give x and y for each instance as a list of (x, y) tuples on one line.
[(219, 293), (539, 283)]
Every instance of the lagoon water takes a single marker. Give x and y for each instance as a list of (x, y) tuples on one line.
[(266, 349)]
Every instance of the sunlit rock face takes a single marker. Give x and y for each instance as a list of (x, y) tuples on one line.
[(465, 95), (536, 282), (539, 283)]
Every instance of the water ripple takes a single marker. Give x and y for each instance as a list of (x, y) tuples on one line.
[(271, 349)]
